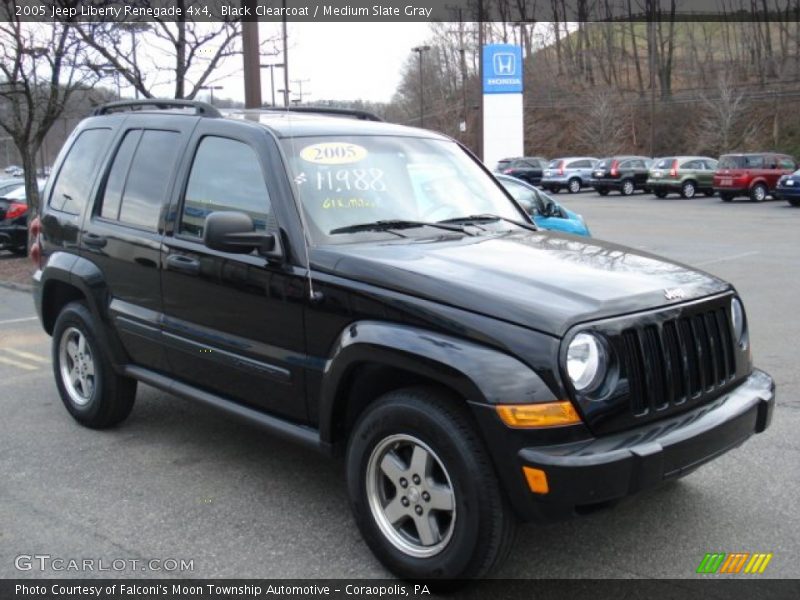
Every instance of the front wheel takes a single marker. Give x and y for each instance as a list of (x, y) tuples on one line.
[(91, 391), (423, 490)]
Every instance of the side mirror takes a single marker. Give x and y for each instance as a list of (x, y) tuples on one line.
[(231, 231)]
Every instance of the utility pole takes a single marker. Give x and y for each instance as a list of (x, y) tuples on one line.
[(285, 59), (272, 67), (251, 57), (480, 79), (651, 43), (300, 94), (419, 50)]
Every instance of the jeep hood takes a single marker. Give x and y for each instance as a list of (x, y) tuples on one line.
[(544, 281)]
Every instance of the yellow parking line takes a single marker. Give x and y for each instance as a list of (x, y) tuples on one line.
[(28, 355), (18, 364)]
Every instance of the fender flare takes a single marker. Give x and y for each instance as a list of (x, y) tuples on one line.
[(83, 275), (480, 374)]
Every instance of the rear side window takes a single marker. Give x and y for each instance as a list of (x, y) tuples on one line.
[(226, 175), (137, 184), (711, 164), (580, 164), (74, 180)]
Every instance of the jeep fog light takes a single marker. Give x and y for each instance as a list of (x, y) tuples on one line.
[(587, 361)]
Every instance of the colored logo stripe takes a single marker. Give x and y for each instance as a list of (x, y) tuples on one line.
[(720, 562)]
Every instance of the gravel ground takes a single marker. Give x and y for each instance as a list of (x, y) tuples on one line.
[(15, 270)]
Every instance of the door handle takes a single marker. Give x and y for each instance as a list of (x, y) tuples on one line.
[(183, 264), (94, 240)]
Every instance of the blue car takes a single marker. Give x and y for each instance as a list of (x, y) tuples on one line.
[(544, 211), (788, 188)]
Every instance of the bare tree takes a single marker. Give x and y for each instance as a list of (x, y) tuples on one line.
[(183, 53), (723, 127), (604, 125), (40, 69)]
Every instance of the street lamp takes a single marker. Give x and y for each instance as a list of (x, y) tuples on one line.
[(272, 67), (419, 50), (211, 89)]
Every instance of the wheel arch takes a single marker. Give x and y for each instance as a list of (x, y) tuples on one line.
[(371, 358), (69, 278)]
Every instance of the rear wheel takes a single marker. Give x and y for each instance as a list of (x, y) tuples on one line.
[(709, 193), (660, 194), (91, 391), (602, 191), (758, 193), (423, 490), (726, 197), (794, 201), (688, 190), (574, 185), (627, 187), (554, 189)]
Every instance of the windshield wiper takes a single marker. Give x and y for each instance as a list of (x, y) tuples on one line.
[(394, 224), (489, 217)]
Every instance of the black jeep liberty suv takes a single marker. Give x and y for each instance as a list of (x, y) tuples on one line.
[(370, 290)]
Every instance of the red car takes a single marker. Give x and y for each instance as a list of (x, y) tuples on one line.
[(753, 175)]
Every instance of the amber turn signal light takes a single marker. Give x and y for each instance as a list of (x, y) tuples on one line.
[(537, 480), (548, 414)]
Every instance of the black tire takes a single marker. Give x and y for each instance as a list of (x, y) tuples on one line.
[(574, 185), (794, 201), (660, 194), (688, 190), (104, 398), (759, 192), (709, 193), (602, 191), (20, 251), (481, 533), (554, 189), (726, 197), (627, 188)]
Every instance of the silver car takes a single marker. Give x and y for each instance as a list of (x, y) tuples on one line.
[(571, 172)]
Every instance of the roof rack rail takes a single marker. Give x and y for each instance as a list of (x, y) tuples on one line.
[(202, 109), (362, 115)]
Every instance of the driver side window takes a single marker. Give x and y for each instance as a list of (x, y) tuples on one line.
[(226, 175)]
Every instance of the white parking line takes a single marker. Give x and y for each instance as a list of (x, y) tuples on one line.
[(17, 364), (26, 355), (9, 321), (725, 258)]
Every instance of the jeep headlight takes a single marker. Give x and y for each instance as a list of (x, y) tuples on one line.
[(737, 320), (587, 362)]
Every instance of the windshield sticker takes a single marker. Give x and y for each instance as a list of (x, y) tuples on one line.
[(340, 180), (348, 203), (333, 153)]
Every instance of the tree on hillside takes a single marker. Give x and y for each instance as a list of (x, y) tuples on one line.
[(724, 126), (40, 69)]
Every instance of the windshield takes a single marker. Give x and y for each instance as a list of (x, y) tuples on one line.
[(351, 180), (664, 163), (554, 164), (603, 164)]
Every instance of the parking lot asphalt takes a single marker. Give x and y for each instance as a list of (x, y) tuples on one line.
[(176, 481)]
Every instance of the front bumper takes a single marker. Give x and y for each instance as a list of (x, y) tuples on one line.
[(599, 470)]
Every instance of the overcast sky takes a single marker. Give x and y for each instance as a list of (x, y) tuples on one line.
[(344, 61)]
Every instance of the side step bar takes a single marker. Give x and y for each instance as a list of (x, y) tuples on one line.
[(302, 434)]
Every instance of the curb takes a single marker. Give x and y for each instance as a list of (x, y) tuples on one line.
[(17, 287)]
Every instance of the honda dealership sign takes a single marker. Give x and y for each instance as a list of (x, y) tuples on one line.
[(502, 69), (502, 102)]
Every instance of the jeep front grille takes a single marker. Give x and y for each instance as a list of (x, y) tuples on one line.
[(678, 360)]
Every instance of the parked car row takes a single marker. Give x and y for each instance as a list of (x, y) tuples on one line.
[(756, 176)]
